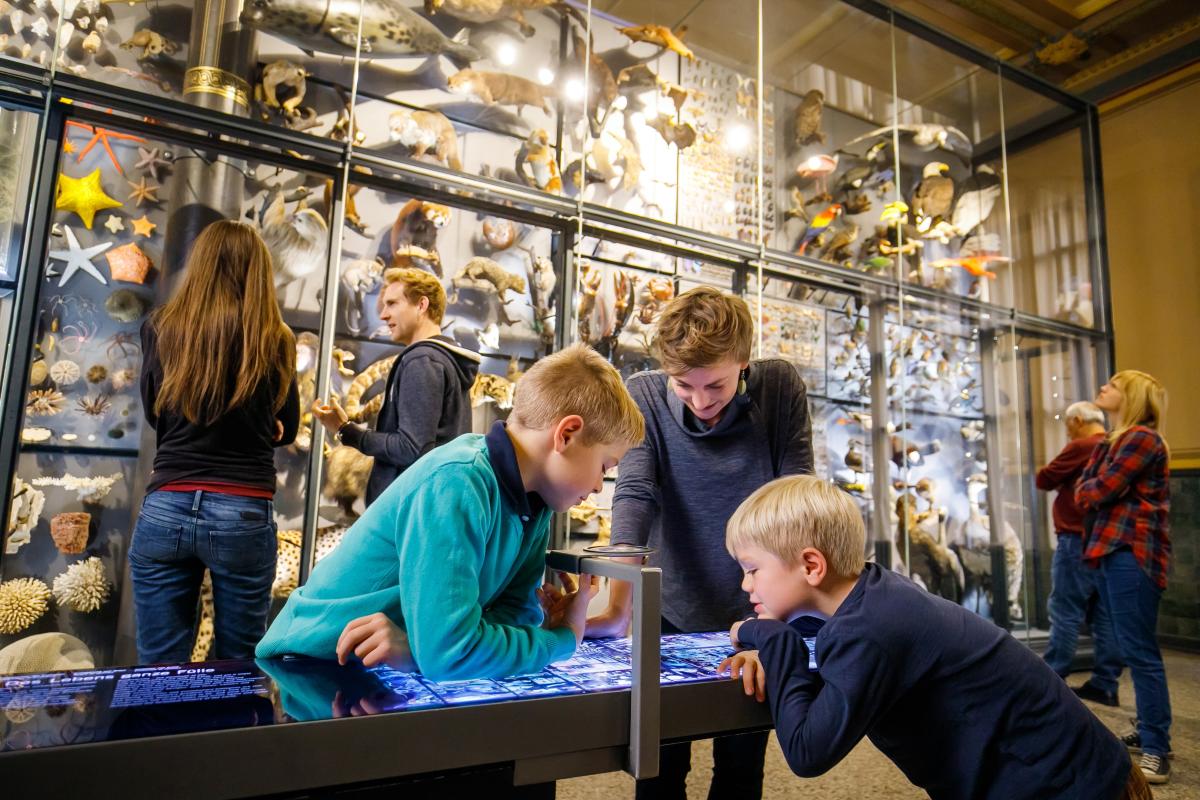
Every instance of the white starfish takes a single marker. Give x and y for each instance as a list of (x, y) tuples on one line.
[(78, 259)]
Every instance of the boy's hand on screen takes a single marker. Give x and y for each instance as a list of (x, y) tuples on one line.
[(745, 665), (375, 640)]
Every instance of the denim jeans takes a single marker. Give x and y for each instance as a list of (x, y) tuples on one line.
[(1073, 590), (177, 535), (1132, 600)]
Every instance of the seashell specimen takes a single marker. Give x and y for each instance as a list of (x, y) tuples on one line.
[(124, 305), (21, 708), (83, 587), (22, 603), (128, 263), (88, 490), (97, 373), (38, 372), (44, 403), (70, 531), (34, 435), (64, 372), (96, 406)]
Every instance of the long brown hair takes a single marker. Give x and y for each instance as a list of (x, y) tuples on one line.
[(223, 321)]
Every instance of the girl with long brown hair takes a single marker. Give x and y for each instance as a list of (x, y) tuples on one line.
[(218, 386)]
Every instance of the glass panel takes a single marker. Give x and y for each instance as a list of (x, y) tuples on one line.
[(87, 454), (949, 136), (1047, 374), (21, 131), (248, 59), (937, 447), (1049, 229), (825, 334), (488, 104), (831, 80)]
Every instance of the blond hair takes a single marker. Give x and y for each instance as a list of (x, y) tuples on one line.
[(577, 380), (795, 512), (702, 328), (1145, 402), (417, 284)]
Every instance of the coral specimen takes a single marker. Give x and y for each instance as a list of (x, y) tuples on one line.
[(64, 372), (22, 603), (70, 531), (89, 490), (44, 403), (23, 514), (83, 587)]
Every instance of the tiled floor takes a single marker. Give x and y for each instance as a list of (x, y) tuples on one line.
[(867, 774)]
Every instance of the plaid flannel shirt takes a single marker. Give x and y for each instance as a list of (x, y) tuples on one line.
[(1125, 493)]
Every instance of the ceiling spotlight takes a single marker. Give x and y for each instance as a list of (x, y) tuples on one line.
[(506, 54), (737, 138), (545, 76), (574, 90)]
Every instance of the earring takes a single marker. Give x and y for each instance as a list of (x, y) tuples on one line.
[(742, 381)]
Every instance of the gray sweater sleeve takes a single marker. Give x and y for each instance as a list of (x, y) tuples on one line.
[(419, 409), (637, 497)]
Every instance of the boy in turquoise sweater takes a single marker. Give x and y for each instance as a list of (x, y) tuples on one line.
[(443, 572)]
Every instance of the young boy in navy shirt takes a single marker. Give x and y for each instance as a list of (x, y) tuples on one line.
[(960, 706)]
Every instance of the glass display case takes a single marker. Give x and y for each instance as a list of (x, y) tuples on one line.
[(915, 226)]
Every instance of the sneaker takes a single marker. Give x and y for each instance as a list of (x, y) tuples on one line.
[(1133, 741), (1089, 692), (1156, 769)]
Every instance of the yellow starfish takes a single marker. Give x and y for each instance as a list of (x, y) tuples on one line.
[(143, 227), (84, 196)]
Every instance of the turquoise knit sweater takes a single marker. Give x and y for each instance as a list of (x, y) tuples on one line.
[(445, 555)]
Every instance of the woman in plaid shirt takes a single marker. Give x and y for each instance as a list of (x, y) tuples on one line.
[(1125, 495)]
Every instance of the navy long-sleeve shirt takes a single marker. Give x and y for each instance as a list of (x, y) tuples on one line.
[(963, 709)]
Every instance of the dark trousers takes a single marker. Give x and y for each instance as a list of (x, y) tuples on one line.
[(737, 765), (177, 535), (1072, 593)]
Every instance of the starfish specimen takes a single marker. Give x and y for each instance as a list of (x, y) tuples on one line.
[(103, 135), (143, 227), (143, 192), (151, 163), (78, 258), (84, 196), (114, 224)]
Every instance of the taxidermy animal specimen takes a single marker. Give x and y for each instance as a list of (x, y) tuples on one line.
[(425, 131), (414, 235), (662, 36), (934, 194), (480, 11), (808, 118), (537, 165), (682, 135), (282, 90), (358, 387), (152, 44), (389, 28), (298, 241), (498, 88), (487, 275), (927, 136)]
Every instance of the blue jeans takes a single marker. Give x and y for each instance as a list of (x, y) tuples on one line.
[(1074, 587), (1132, 601), (177, 535)]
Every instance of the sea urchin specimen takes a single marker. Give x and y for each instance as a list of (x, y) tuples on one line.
[(22, 603), (44, 403), (96, 406), (83, 587)]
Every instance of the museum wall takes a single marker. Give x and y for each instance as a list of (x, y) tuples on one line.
[(1152, 196)]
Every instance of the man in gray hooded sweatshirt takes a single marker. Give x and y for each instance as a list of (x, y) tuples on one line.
[(425, 402), (718, 426)]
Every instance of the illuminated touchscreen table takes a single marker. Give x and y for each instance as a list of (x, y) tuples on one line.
[(276, 725)]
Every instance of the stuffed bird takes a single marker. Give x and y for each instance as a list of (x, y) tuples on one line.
[(976, 198), (819, 225), (808, 118), (934, 195)]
